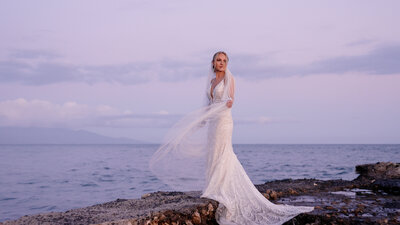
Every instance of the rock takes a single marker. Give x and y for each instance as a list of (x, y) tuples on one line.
[(210, 208), (293, 192), (390, 186), (196, 218), (381, 176), (273, 195), (270, 194), (146, 195), (379, 170)]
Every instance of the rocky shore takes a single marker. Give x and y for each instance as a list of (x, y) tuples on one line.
[(372, 198)]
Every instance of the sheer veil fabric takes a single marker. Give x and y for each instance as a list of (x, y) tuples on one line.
[(197, 154)]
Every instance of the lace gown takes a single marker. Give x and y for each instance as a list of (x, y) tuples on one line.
[(227, 182)]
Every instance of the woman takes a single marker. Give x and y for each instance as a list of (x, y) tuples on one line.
[(197, 153)]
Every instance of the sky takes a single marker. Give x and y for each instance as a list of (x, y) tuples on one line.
[(307, 72)]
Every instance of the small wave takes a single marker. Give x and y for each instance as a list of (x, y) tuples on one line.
[(38, 207), (89, 185), (341, 173), (106, 178), (52, 207), (7, 199), (30, 182)]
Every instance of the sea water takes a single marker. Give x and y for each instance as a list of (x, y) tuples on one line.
[(45, 178)]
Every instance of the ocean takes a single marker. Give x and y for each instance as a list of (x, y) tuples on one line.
[(45, 178)]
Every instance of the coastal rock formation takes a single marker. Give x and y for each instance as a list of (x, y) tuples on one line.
[(379, 170), (380, 176), (152, 208), (371, 198)]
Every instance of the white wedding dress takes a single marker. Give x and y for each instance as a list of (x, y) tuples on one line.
[(227, 182), (196, 155)]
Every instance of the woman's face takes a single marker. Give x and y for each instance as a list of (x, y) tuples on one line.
[(220, 63)]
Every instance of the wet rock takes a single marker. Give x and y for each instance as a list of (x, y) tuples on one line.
[(196, 218), (379, 170), (272, 195), (381, 176), (155, 208), (387, 185)]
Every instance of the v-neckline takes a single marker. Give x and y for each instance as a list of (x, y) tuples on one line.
[(212, 92)]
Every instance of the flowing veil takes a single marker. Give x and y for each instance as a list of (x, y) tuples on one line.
[(181, 159)]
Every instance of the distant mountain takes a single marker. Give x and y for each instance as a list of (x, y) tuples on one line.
[(36, 135)]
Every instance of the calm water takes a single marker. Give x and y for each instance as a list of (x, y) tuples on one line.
[(44, 178)]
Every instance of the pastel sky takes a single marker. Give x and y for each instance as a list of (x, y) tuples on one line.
[(306, 71)]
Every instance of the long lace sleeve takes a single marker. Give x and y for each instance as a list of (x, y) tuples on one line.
[(232, 89)]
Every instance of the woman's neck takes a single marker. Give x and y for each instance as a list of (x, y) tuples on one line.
[(219, 74)]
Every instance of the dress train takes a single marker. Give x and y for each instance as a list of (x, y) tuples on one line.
[(227, 182)]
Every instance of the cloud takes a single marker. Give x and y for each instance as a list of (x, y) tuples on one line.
[(38, 113), (383, 60), (380, 61), (34, 67), (41, 68)]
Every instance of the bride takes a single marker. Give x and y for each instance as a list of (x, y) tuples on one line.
[(197, 154)]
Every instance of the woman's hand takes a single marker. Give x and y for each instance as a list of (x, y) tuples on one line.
[(229, 103)]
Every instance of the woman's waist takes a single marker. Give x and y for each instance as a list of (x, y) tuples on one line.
[(219, 100), (224, 114)]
